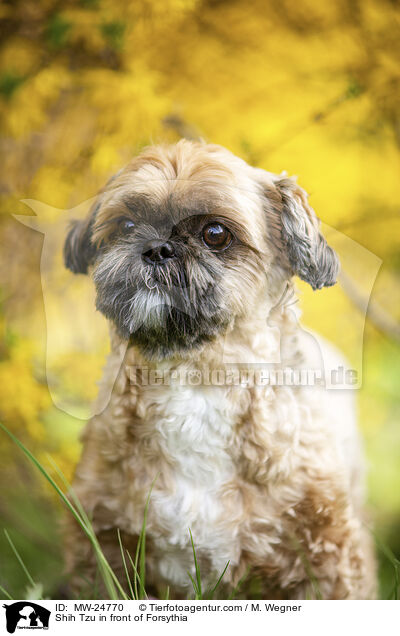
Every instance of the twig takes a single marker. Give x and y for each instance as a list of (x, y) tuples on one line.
[(181, 127), (375, 314)]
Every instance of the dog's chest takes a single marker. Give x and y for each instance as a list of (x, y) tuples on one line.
[(195, 428)]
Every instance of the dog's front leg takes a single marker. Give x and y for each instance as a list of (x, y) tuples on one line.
[(86, 574), (324, 553)]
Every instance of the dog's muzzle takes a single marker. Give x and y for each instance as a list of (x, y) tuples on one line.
[(158, 252)]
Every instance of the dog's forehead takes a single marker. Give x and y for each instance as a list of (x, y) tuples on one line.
[(158, 208), (158, 189)]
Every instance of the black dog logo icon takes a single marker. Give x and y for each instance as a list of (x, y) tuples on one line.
[(26, 615)]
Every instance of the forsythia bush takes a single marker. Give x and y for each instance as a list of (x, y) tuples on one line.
[(309, 87)]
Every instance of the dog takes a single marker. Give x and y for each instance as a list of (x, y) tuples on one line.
[(192, 253)]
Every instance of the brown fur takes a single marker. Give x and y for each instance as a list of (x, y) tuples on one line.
[(290, 506)]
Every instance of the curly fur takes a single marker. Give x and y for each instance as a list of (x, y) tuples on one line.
[(267, 477)]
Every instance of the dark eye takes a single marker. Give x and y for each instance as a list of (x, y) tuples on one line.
[(217, 236), (126, 225)]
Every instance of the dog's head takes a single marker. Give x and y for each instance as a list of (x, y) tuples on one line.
[(186, 240)]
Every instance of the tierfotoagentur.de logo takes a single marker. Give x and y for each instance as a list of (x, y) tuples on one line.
[(26, 615)]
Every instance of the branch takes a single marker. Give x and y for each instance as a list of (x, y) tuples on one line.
[(181, 127), (375, 314)]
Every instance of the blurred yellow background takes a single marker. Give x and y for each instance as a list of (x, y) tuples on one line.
[(309, 87)]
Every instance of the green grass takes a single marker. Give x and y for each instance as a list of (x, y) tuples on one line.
[(137, 580), (113, 586), (29, 583), (394, 564)]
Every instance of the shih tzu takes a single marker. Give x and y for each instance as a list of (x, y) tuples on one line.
[(192, 252)]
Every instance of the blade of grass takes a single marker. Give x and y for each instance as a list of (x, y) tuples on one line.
[(393, 560), (395, 591), (197, 597), (135, 567), (140, 556), (19, 558), (386, 551), (124, 562), (6, 593), (239, 584), (110, 580), (196, 565), (96, 586), (71, 491), (136, 577), (41, 469), (219, 580)]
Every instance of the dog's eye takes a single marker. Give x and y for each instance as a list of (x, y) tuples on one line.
[(217, 236), (126, 225)]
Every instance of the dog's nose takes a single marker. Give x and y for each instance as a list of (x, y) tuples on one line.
[(157, 252)]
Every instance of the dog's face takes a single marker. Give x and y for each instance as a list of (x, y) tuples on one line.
[(186, 239)]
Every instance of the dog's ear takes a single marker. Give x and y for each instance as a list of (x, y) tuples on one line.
[(79, 252), (308, 254)]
